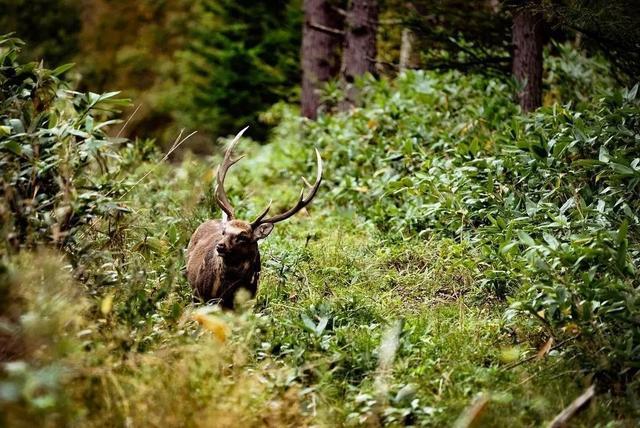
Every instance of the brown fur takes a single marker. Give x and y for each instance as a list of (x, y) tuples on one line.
[(218, 277)]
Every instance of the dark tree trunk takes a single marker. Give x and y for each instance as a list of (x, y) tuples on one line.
[(321, 40), (360, 51), (527, 57), (360, 39)]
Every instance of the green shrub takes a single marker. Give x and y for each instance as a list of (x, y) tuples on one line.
[(550, 200), (584, 239), (56, 160), (572, 77)]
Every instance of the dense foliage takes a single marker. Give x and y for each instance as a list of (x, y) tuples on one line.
[(452, 239), (54, 153), (450, 35), (179, 60), (241, 58), (611, 27), (57, 176), (550, 201)]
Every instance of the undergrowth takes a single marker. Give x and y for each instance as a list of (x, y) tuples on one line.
[(456, 249)]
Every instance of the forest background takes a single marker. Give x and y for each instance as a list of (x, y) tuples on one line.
[(215, 65)]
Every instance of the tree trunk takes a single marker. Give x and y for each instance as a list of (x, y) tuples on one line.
[(527, 57), (408, 55), (360, 51), (321, 40)]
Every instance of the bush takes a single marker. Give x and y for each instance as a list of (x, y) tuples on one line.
[(572, 77), (56, 160), (549, 200)]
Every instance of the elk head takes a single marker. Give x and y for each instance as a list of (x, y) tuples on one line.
[(240, 236)]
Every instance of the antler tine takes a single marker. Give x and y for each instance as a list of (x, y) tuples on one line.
[(302, 200), (262, 214), (227, 162)]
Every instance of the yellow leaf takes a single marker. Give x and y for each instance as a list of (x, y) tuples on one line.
[(571, 328), (470, 417), (107, 304), (510, 354), (219, 328), (208, 176), (545, 348)]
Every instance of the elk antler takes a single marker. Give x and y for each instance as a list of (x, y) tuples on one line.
[(302, 200), (221, 195)]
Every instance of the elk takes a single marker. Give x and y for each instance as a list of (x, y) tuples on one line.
[(223, 255)]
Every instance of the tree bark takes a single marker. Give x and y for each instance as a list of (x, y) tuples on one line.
[(321, 40), (359, 55), (527, 57)]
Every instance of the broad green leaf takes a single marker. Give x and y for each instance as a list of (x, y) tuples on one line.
[(61, 69), (5, 131), (12, 146), (308, 323), (551, 240), (525, 238), (568, 204)]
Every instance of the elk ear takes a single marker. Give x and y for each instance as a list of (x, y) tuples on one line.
[(262, 231)]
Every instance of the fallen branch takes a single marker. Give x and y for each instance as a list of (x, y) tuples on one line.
[(573, 408), (325, 29), (377, 61), (536, 355)]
